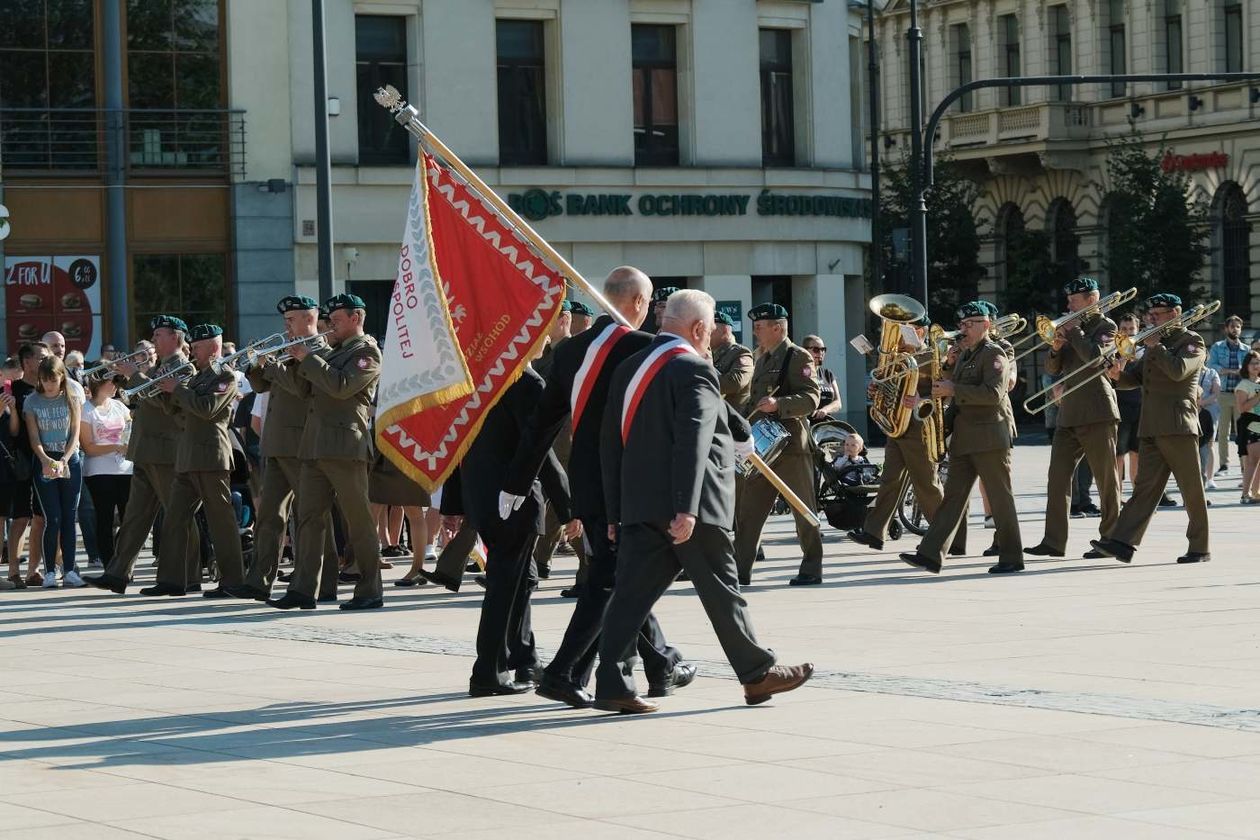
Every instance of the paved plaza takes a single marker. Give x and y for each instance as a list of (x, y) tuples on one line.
[(1079, 699)]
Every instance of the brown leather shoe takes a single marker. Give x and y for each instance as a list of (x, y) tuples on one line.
[(633, 705), (777, 680)]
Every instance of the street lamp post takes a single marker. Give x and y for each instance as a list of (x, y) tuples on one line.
[(918, 209), (872, 73)]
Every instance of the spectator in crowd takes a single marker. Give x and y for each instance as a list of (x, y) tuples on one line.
[(10, 426), (52, 422), (1209, 420), (1246, 399), (25, 511), (108, 353), (1225, 357), (1129, 402), (87, 516), (829, 388), (104, 432), (74, 365)]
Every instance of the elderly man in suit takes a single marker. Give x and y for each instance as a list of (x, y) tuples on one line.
[(668, 458)]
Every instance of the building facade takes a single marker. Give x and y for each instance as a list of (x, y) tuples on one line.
[(1039, 153)]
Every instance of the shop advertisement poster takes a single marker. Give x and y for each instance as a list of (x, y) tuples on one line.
[(62, 294)]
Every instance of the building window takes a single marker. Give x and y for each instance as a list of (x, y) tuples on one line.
[(1061, 50), (1065, 242), (655, 59), (962, 63), (1233, 239), (192, 286), (1010, 228), (522, 93), (778, 130), (1117, 43), (47, 63), (380, 55), (1008, 27), (1233, 38), (1172, 40)]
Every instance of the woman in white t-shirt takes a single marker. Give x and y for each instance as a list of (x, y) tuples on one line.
[(1247, 402), (104, 431)]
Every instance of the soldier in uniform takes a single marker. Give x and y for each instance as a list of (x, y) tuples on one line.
[(203, 469), (155, 434), (558, 333), (1168, 433), (658, 304), (980, 446), (583, 316), (282, 436), (336, 452), (734, 362), (1088, 417), (783, 387)]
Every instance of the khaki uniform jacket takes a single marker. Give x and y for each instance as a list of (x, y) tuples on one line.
[(339, 412), (798, 398), (155, 430), (205, 402), (1168, 375), (984, 419), (734, 363), (287, 407), (1096, 401)]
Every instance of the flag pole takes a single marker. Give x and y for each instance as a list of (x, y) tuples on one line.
[(408, 117)]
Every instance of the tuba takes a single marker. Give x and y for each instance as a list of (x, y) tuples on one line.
[(896, 374)]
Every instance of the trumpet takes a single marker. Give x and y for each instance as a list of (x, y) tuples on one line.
[(105, 368), (182, 373), (312, 342), (1126, 348), (1008, 326), (249, 353), (1046, 328)]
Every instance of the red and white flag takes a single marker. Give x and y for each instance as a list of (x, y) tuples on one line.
[(501, 299)]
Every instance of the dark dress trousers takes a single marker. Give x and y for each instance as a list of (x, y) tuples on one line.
[(679, 457)]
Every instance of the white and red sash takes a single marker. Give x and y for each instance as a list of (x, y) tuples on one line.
[(643, 377), (592, 364)]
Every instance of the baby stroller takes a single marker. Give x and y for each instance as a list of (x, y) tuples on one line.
[(843, 492)]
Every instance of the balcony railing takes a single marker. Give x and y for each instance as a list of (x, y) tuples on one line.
[(1047, 121), (72, 141)]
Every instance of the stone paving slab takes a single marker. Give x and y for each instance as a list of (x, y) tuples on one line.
[(1081, 698)]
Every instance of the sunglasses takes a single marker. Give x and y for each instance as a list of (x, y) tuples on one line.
[(816, 347)]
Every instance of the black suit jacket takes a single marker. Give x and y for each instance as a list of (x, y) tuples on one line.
[(680, 455), (473, 489), (585, 479)]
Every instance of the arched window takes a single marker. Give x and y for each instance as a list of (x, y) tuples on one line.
[(1231, 247), (1065, 244), (1010, 224)]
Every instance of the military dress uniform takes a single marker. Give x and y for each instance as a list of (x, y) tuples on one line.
[(1168, 440), (336, 452), (1086, 426), (734, 364), (785, 372), (203, 469)]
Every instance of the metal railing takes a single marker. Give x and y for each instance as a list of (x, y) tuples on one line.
[(73, 141)]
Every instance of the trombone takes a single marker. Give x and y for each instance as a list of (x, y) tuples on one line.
[(1125, 348), (313, 342), (1046, 328), (248, 353), (1007, 326), (181, 373), (105, 368)]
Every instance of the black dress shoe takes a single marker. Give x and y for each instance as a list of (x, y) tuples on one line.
[(745, 581), (1167, 501), (218, 592), (1006, 568), (1092, 510), (992, 551), (292, 601), (633, 705), (571, 592), (411, 581), (348, 577), (440, 579), (920, 561), (680, 677), (109, 583), (1094, 554), (958, 552), (860, 536), (527, 675), (1043, 550), (498, 689), (357, 603), (1195, 557), (253, 593), (1077, 513), (565, 692), (1114, 548), (327, 599), (805, 580), (168, 589)]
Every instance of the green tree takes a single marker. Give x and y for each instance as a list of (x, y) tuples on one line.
[(953, 239), (1034, 281), (1155, 229)]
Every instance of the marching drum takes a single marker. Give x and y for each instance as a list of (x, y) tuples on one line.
[(769, 438)]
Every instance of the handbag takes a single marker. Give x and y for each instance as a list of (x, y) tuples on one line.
[(20, 462)]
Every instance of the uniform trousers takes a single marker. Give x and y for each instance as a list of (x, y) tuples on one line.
[(994, 469), (756, 497), (322, 481), (575, 660), (906, 461), (179, 559), (149, 494), (650, 562), (505, 635), (279, 484), (453, 560), (1096, 442), (1158, 458)]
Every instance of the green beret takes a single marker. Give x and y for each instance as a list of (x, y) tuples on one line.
[(662, 294), (1080, 285), (976, 309), (767, 312), (990, 309), (723, 318), (293, 303), (344, 301), (202, 332), (168, 321), (580, 308), (566, 306), (1163, 299)]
